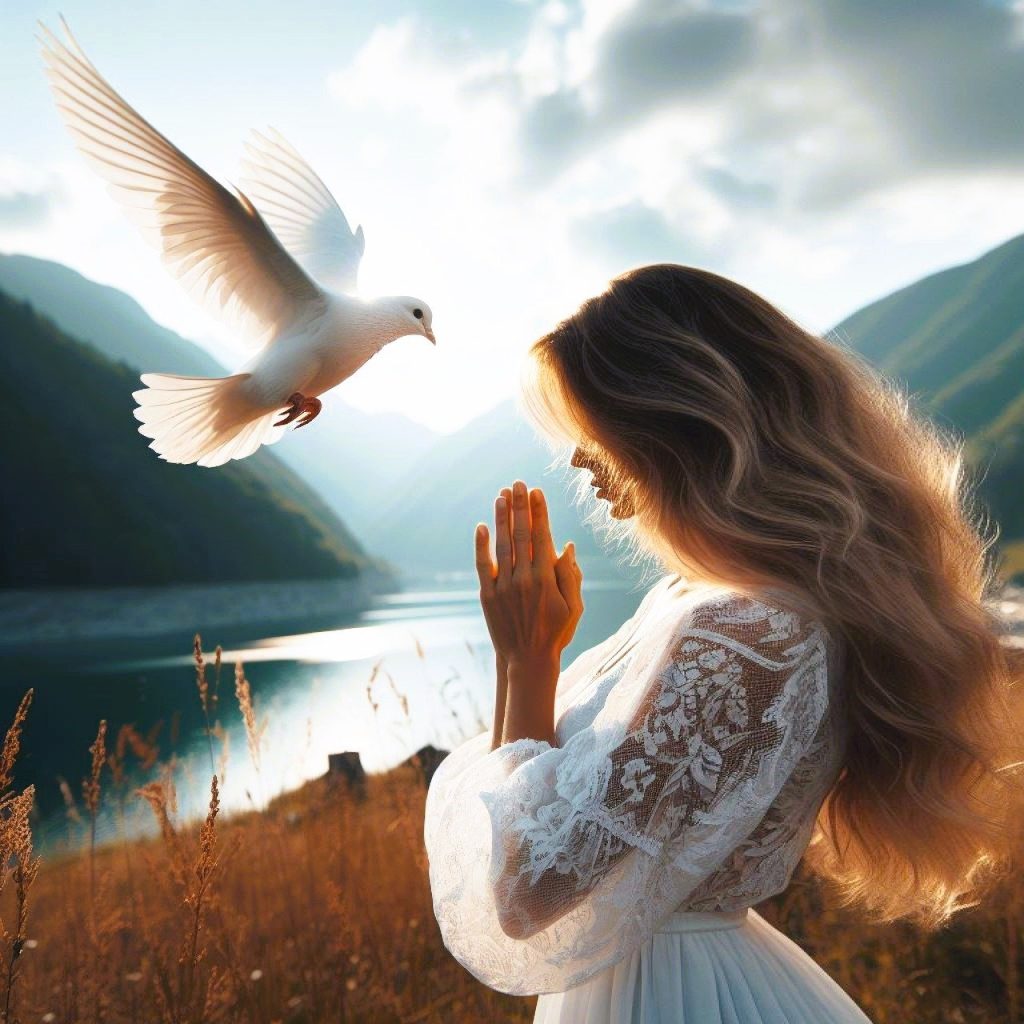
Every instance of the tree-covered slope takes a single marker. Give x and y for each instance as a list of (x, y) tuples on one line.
[(86, 502), (955, 339), (353, 459), (103, 316), (455, 484)]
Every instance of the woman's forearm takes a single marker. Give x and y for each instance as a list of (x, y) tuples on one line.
[(530, 701), (500, 692)]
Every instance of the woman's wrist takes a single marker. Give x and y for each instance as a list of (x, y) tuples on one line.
[(500, 693), (530, 705), (535, 665)]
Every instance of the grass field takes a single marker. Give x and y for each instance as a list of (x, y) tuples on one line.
[(318, 909)]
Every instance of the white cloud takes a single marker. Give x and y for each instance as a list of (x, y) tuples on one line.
[(794, 174), (786, 175)]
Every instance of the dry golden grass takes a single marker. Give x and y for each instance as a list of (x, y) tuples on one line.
[(317, 908)]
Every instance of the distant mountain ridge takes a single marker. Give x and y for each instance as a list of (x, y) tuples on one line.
[(87, 503), (359, 462), (955, 339), (103, 316), (354, 460), (455, 483)]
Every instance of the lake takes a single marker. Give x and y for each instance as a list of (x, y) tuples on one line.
[(309, 652), (425, 647)]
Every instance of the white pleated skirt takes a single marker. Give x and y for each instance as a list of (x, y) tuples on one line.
[(714, 967)]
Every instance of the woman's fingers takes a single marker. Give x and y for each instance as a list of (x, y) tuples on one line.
[(506, 492), (484, 562), (502, 537), (564, 577), (543, 545), (569, 576), (578, 572), (521, 525)]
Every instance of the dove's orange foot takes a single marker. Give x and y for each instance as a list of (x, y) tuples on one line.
[(310, 410), (300, 405)]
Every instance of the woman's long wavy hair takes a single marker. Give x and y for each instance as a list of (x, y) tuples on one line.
[(757, 455)]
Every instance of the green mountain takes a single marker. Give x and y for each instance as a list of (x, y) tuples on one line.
[(86, 502), (112, 321), (354, 460), (359, 462), (955, 339), (455, 484)]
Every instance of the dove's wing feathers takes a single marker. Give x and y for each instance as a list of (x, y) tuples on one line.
[(214, 242), (302, 212)]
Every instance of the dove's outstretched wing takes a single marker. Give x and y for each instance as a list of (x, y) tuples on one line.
[(302, 212), (214, 242)]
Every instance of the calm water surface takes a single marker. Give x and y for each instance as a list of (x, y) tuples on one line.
[(428, 644)]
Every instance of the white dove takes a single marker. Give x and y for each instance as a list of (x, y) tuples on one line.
[(268, 275)]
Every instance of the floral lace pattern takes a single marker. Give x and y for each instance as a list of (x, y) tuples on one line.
[(686, 776)]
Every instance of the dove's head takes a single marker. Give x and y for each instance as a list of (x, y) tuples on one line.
[(390, 317), (417, 317)]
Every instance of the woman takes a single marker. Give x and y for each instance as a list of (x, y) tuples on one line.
[(817, 672)]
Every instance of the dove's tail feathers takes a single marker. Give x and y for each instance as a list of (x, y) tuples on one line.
[(202, 420)]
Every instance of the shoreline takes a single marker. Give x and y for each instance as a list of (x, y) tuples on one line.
[(69, 615), (76, 614)]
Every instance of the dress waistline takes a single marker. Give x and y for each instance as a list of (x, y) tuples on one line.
[(702, 920)]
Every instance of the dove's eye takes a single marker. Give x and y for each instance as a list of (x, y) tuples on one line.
[(418, 313)]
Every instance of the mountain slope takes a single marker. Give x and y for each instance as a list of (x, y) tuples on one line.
[(87, 503), (455, 484), (354, 460), (955, 339), (105, 317)]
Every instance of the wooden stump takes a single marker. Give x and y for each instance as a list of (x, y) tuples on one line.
[(348, 768), (427, 759)]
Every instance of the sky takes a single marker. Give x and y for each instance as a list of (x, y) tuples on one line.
[(506, 158)]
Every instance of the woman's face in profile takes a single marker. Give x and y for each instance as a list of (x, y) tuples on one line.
[(621, 508)]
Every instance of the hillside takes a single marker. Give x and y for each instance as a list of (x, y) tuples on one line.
[(955, 339), (318, 908), (456, 482), (108, 319), (87, 503), (354, 460)]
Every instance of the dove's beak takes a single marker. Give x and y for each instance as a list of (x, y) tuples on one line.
[(430, 334)]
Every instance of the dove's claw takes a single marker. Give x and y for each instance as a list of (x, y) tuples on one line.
[(300, 405), (310, 410), (297, 402)]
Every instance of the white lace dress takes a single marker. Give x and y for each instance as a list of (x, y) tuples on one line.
[(615, 871)]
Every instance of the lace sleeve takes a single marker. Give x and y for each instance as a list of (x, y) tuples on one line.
[(548, 864)]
